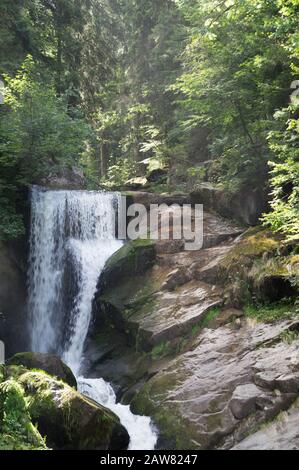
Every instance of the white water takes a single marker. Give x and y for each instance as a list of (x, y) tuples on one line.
[(139, 428), (72, 236)]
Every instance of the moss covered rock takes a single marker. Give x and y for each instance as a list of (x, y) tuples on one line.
[(47, 362), (259, 267), (16, 429), (134, 258), (67, 418)]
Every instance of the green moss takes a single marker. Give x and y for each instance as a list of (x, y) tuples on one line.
[(272, 267), (128, 253), (14, 371), (17, 431), (161, 350), (253, 244), (211, 314), (249, 268), (271, 312), (289, 336)]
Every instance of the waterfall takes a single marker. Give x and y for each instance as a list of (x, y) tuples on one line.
[(72, 236)]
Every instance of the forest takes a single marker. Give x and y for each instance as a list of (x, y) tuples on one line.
[(109, 342), (205, 89)]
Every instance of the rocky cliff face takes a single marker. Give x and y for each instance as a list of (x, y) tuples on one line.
[(245, 205), (175, 335), (13, 296)]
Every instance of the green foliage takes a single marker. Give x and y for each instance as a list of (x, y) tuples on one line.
[(238, 71), (38, 136), (271, 312), (283, 142), (176, 82), (16, 430), (121, 171), (290, 336)]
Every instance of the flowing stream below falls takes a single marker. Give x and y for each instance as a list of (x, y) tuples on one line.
[(72, 237)]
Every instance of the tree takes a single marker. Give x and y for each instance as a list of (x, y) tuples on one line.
[(237, 73), (38, 137)]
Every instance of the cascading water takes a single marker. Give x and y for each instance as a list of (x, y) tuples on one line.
[(72, 236)]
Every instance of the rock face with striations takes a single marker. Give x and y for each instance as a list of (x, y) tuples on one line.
[(213, 396), (156, 292), (208, 374)]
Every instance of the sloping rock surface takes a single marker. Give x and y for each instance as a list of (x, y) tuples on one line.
[(213, 396), (183, 351)]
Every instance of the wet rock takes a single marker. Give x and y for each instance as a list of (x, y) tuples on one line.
[(176, 278), (51, 364), (282, 434), (207, 265), (226, 316), (244, 400), (161, 316), (266, 379), (169, 246), (288, 383), (155, 292)]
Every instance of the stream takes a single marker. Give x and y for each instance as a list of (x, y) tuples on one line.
[(72, 237)]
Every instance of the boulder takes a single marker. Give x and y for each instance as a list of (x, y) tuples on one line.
[(69, 419), (17, 431), (46, 362), (245, 399), (66, 178), (245, 205)]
